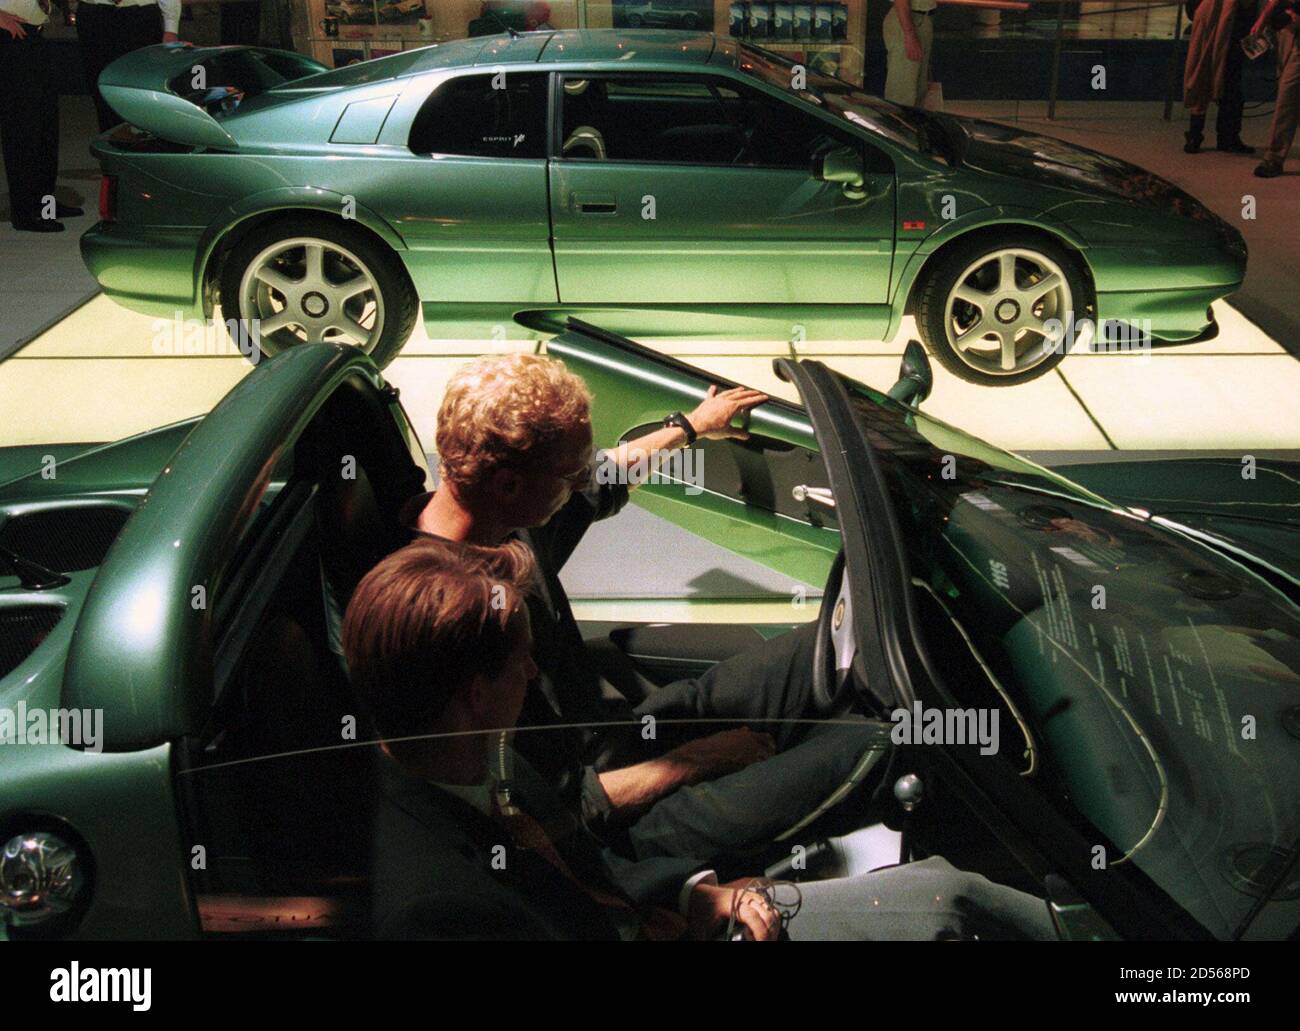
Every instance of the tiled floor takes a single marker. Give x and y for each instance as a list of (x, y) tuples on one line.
[(98, 375)]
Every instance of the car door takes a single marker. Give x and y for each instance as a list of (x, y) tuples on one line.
[(740, 494), (671, 189), (470, 200), (976, 593)]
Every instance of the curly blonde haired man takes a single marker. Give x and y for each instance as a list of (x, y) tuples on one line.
[(517, 460)]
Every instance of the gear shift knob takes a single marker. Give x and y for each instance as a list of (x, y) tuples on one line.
[(909, 790)]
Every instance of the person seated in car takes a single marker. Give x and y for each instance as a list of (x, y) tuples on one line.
[(514, 441), (471, 843)]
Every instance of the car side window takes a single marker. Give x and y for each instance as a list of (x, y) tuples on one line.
[(499, 115), (693, 121)]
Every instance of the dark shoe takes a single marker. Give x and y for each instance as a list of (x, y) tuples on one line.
[(40, 225), (67, 211), (1193, 144), (1235, 146), (1269, 169)]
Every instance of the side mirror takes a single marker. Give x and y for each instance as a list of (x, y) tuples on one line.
[(915, 379), (842, 165)]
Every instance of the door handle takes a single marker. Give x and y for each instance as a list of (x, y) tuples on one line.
[(595, 205)]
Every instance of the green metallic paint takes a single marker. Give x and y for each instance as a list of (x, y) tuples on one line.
[(142, 650), (633, 390), (124, 809), (471, 239), (783, 238), (127, 466)]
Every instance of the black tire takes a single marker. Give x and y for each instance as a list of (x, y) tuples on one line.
[(399, 305), (941, 279)]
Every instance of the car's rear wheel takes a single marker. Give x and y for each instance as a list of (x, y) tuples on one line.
[(313, 280), (994, 311)]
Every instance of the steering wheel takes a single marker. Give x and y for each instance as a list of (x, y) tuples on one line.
[(830, 696)]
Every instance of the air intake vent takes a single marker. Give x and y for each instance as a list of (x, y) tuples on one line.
[(22, 630), (65, 539)]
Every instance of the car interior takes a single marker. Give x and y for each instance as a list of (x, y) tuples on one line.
[(468, 116), (686, 121), (271, 786)]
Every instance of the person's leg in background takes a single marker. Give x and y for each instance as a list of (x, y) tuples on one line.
[(29, 131), (144, 28), (925, 33), (106, 33), (904, 78), (1287, 113), (1227, 124), (96, 38), (1195, 131), (46, 140), (923, 901)]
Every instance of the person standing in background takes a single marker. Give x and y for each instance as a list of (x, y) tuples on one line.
[(909, 34), (29, 118), (1286, 114), (108, 29), (1214, 68)]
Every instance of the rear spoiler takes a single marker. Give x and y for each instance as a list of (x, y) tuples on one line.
[(162, 89)]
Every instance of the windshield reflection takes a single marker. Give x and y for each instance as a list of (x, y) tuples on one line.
[(908, 127), (1149, 675)]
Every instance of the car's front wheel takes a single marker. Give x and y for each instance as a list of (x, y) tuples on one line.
[(998, 312), (312, 280)]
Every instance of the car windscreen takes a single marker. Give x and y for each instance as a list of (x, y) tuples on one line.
[(1149, 687), (905, 126)]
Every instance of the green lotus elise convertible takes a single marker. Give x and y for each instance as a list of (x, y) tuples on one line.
[(181, 753), (654, 182)]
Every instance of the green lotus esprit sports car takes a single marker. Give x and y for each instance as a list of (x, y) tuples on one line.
[(1143, 662), (654, 182)]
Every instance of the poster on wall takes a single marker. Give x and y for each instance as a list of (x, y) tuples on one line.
[(352, 12), (401, 12), (663, 14), (788, 22)]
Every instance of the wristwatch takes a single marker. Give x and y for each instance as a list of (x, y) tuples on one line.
[(682, 423)]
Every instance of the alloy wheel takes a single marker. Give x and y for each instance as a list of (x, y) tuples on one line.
[(308, 290), (999, 312)]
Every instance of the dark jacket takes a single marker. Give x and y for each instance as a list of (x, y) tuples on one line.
[(567, 690), (438, 868)]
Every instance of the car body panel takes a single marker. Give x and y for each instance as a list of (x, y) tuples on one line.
[(788, 239), (124, 807), (633, 388), (142, 633)]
